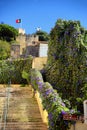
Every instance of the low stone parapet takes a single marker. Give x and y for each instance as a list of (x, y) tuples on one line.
[(43, 112)]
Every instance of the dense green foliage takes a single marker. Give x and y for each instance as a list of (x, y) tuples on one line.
[(43, 36), (66, 67), (26, 75), (4, 50), (51, 101), (7, 32), (11, 70), (5, 72)]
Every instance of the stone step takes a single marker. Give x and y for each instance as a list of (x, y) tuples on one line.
[(25, 126), (23, 112)]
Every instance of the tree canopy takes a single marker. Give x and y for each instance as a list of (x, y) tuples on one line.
[(8, 32), (4, 50), (43, 36)]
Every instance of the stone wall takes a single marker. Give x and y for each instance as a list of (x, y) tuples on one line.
[(31, 39), (32, 50), (30, 45), (26, 40), (79, 126), (15, 50), (21, 39), (21, 31), (39, 62)]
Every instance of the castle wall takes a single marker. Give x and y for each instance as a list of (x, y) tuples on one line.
[(21, 39), (31, 45), (15, 50), (39, 62), (31, 39), (32, 50), (21, 31)]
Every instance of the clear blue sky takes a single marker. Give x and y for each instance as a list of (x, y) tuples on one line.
[(42, 13)]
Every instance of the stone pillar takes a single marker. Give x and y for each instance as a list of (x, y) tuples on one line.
[(85, 111)]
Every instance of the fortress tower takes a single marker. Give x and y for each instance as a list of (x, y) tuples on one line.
[(21, 31)]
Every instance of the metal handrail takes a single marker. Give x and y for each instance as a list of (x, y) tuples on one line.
[(1, 119), (6, 106)]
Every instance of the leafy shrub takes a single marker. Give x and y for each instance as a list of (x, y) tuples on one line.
[(66, 64), (51, 102), (36, 77), (12, 70), (5, 72), (4, 50)]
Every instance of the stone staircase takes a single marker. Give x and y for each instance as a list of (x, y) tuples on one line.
[(23, 112)]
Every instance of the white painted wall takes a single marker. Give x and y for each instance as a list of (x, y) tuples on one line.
[(43, 50)]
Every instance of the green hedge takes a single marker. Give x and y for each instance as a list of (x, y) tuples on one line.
[(12, 70), (66, 67)]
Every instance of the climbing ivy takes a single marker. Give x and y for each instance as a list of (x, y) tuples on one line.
[(66, 64)]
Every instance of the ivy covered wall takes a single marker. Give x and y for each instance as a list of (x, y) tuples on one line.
[(66, 64)]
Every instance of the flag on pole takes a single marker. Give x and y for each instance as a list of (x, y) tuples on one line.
[(18, 20)]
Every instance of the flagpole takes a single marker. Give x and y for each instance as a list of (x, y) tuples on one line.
[(21, 24)]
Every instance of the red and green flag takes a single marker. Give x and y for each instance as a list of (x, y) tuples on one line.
[(18, 20)]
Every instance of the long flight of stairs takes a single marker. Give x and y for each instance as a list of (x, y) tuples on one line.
[(23, 112)]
